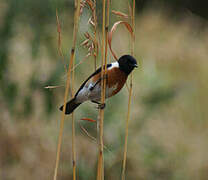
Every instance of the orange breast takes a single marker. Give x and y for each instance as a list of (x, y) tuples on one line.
[(116, 77)]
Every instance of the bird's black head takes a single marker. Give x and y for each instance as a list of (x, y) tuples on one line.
[(127, 63)]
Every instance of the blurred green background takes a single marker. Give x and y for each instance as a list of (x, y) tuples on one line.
[(168, 128)]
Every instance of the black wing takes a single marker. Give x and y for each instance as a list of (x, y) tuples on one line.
[(96, 72)]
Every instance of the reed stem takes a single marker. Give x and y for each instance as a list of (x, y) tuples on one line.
[(95, 36), (59, 40), (76, 22), (130, 95), (100, 168), (62, 117), (71, 64)]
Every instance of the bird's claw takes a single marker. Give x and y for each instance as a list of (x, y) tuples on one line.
[(101, 106)]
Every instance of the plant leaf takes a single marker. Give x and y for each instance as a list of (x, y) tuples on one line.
[(88, 119), (52, 87), (118, 13), (85, 42), (91, 5)]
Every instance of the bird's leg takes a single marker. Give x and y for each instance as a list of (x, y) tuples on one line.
[(95, 102), (100, 105)]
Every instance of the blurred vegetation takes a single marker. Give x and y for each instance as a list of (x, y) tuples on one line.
[(168, 127)]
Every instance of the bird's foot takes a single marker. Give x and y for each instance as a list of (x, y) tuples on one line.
[(101, 106)]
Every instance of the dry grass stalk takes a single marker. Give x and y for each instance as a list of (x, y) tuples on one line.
[(88, 119), (87, 133), (113, 29), (59, 40), (91, 42), (53, 87), (95, 54), (71, 62), (100, 167), (130, 94), (76, 21), (130, 28), (63, 116), (120, 14)]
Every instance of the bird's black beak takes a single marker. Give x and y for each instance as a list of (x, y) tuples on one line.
[(135, 65)]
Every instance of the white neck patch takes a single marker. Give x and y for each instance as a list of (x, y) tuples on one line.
[(114, 65)]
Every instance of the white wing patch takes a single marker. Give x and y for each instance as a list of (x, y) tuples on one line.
[(114, 64)]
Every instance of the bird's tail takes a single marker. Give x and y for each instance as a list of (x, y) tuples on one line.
[(70, 106)]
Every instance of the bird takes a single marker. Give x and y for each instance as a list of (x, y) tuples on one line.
[(116, 76)]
